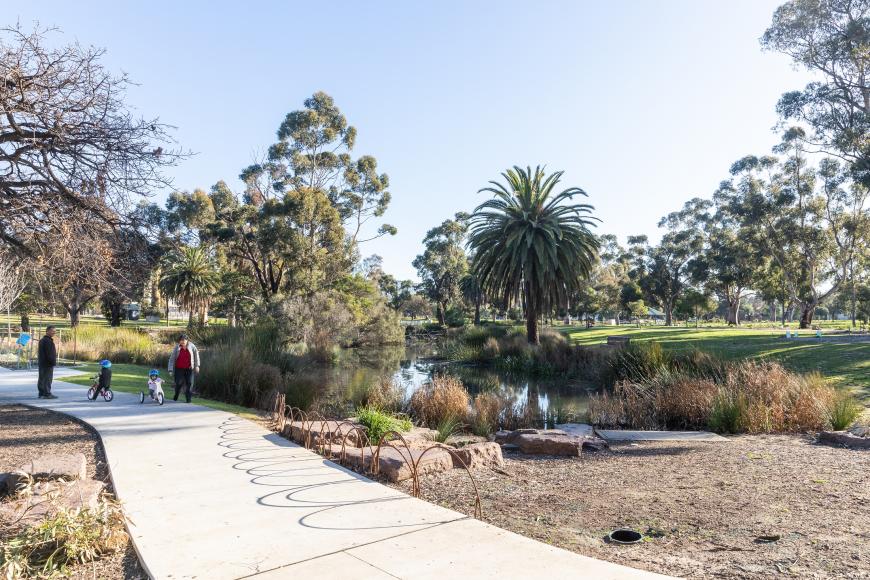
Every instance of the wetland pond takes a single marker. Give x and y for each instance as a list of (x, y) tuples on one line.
[(356, 370)]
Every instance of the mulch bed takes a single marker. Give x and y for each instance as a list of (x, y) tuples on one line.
[(27, 433), (704, 506)]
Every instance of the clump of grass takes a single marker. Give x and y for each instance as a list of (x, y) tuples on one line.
[(379, 423), (446, 427), (725, 413), (386, 395), (486, 409), (442, 397), (844, 411), (68, 537)]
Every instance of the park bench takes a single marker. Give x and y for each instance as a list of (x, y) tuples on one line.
[(618, 340)]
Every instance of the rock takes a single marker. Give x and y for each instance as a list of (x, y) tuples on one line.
[(49, 497), (503, 437), (860, 430), (420, 437), (595, 444), (544, 443), (332, 429), (476, 455), (844, 438), (62, 466), (462, 440), (394, 464)]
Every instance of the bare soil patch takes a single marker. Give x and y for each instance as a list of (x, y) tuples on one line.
[(28, 433), (704, 506)]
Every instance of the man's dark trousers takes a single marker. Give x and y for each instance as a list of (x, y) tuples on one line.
[(43, 383), (183, 379)]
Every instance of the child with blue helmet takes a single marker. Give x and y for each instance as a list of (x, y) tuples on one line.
[(155, 386), (105, 382)]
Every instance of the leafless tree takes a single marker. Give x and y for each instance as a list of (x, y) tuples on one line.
[(12, 284), (68, 143)]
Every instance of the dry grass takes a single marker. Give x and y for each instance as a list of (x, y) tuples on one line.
[(746, 397), (486, 410), (442, 398)]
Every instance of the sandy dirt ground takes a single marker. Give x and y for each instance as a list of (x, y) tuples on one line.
[(709, 509)]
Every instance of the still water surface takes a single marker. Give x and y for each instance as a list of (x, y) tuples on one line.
[(413, 365)]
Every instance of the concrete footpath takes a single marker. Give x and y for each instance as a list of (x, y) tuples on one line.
[(211, 495)]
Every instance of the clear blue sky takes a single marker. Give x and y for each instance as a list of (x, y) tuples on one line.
[(644, 104)]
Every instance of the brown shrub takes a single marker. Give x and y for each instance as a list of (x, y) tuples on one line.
[(685, 403), (748, 397), (486, 410), (442, 398)]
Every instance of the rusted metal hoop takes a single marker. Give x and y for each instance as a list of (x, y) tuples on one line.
[(388, 443), (478, 510)]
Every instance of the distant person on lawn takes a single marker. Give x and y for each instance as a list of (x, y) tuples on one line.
[(183, 363), (46, 359)]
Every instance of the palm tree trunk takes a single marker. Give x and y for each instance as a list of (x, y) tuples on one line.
[(531, 316)]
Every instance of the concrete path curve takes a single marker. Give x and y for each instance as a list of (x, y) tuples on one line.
[(211, 495)]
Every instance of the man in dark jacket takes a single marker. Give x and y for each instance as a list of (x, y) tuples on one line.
[(47, 359)]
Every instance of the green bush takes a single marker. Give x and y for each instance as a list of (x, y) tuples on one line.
[(844, 411), (725, 414), (378, 423)]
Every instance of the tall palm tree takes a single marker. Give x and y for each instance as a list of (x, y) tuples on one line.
[(532, 243), (191, 279)]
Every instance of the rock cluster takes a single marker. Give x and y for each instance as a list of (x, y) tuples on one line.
[(395, 461), (53, 483)]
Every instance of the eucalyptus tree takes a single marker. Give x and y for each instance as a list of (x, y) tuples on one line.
[(313, 153), (665, 269), (832, 39), (532, 243), (727, 260), (291, 242), (801, 226), (443, 263)]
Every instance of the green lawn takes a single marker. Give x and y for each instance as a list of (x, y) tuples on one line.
[(134, 378), (845, 364)]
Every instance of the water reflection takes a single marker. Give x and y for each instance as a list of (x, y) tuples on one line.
[(411, 366)]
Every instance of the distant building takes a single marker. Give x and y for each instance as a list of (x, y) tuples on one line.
[(132, 311), (655, 315)]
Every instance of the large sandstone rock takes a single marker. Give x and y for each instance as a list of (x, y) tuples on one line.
[(66, 466), (844, 438), (420, 437), (487, 454), (509, 437), (49, 497), (549, 444), (394, 464), (464, 439), (333, 430)]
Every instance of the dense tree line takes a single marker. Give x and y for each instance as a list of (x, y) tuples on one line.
[(789, 228)]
